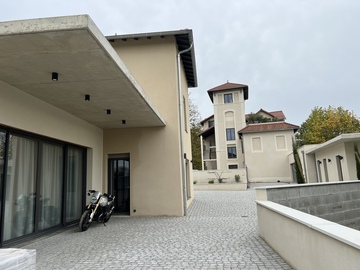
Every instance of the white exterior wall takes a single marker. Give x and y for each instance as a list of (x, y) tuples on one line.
[(22, 111), (327, 157), (348, 165), (269, 164)]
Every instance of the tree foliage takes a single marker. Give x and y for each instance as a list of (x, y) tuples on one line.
[(298, 168), (324, 124), (357, 160), (195, 129)]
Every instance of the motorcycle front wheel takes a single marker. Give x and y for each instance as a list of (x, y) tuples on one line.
[(84, 223)]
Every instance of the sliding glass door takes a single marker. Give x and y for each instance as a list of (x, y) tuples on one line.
[(75, 175), (51, 185), (20, 195), (41, 184)]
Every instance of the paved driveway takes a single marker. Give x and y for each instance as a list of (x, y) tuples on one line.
[(219, 232)]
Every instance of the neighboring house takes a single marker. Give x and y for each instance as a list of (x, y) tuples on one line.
[(331, 161), (81, 111), (266, 149), (259, 152), (271, 116)]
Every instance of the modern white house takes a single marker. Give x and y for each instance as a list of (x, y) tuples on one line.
[(331, 161), (81, 111), (258, 152)]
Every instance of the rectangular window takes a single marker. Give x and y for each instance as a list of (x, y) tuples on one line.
[(280, 142), (231, 151), (233, 166), (228, 98), (256, 144), (211, 123), (230, 134)]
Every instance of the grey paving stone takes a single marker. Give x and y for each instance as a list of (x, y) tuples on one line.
[(219, 232)]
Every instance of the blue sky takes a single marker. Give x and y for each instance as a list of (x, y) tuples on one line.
[(293, 54)]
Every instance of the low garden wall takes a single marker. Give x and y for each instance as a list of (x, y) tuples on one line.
[(306, 241), (220, 180)]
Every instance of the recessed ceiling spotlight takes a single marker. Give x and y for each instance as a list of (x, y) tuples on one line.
[(55, 76)]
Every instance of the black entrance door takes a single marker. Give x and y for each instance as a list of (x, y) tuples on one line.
[(119, 182)]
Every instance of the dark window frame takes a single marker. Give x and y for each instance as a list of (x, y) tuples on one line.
[(228, 98), (230, 134), (40, 139), (231, 152)]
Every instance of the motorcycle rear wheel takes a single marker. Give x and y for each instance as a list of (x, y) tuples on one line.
[(84, 223)]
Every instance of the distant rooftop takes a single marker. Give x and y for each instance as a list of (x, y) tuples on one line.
[(266, 127), (229, 86), (279, 115)]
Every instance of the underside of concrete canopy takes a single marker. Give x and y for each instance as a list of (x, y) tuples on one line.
[(73, 47)]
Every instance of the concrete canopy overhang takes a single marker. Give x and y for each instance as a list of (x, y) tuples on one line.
[(86, 64)]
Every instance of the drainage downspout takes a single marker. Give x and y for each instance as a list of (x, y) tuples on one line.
[(182, 127)]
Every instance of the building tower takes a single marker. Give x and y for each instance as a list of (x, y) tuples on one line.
[(222, 149)]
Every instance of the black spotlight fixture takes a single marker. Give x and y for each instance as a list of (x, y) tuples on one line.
[(87, 97), (108, 112), (123, 122), (55, 76)]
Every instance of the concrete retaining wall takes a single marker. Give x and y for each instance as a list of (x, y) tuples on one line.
[(304, 240), (308, 242), (338, 202)]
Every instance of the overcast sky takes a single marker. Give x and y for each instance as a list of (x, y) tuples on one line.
[(293, 54)]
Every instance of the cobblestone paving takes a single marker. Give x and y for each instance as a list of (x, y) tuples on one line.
[(219, 232)]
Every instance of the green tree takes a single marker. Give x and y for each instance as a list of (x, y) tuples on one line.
[(195, 129), (357, 161), (298, 168), (324, 124)]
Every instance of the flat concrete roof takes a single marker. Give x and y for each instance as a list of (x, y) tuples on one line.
[(86, 63), (339, 139)]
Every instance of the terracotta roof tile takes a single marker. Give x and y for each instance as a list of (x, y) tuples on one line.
[(266, 127)]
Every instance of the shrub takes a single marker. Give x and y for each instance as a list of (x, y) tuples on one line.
[(211, 181), (237, 178)]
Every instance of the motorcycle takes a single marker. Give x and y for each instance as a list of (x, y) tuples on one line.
[(99, 209)]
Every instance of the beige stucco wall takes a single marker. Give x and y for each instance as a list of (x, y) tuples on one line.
[(155, 166), (238, 110), (22, 111), (269, 164)]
